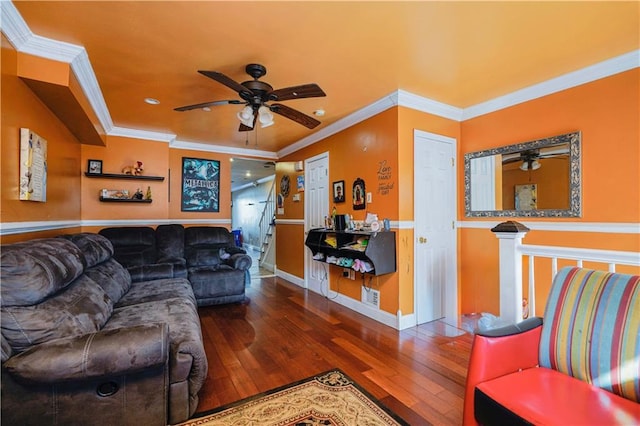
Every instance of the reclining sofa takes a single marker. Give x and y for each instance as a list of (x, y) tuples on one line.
[(579, 365), (82, 344), (206, 255)]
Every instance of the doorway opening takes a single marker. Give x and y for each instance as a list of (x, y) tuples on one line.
[(252, 201)]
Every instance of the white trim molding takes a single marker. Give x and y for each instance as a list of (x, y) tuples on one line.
[(196, 146), (591, 73), (604, 227), (12, 228)]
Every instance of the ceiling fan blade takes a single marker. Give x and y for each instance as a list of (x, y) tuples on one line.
[(208, 104), (296, 92), (511, 160), (294, 115), (227, 81)]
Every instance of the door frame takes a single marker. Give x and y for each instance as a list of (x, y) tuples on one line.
[(308, 257), (451, 287)]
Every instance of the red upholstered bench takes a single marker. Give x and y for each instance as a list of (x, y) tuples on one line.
[(578, 366)]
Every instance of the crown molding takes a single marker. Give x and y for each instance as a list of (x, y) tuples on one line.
[(370, 110), (591, 73), (19, 34), (196, 146), (23, 40), (420, 103), (142, 134)]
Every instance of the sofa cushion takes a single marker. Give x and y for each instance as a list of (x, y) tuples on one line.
[(574, 401), (95, 248), (133, 246), (83, 307), (590, 329), (150, 291), (203, 245), (170, 242), (34, 270), (112, 277)]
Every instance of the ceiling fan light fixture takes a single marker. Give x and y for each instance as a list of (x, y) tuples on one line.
[(535, 165), (246, 116), (265, 117)]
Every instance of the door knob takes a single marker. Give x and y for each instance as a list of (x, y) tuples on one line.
[(422, 240)]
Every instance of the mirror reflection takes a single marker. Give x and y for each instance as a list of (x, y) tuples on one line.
[(537, 178)]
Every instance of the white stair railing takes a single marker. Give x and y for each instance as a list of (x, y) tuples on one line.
[(512, 252), (267, 221)]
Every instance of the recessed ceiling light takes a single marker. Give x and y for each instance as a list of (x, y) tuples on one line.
[(206, 109), (318, 112), (151, 101)]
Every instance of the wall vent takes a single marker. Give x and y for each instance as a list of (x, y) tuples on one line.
[(371, 297)]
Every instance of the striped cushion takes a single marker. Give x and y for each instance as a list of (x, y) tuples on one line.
[(591, 329)]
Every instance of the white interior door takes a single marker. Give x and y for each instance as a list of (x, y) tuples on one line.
[(316, 207), (435, 277)]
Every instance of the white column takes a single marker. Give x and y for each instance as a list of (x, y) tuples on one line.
[(510, 235)]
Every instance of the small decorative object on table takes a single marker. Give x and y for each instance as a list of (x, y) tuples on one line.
[(134, 170), (138, 195)]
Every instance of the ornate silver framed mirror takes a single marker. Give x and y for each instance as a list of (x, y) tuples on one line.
[(539, 178)]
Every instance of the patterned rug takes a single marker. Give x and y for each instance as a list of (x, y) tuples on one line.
[(330, 398)]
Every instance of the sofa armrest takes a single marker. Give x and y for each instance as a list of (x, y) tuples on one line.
[(495, 353), (235, 250), (240, 261), (102, 354)]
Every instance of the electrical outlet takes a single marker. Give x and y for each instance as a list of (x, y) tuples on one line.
[(349, 273)]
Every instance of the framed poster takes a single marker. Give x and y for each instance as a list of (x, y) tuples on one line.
[(338, 191), (200, 185), (33, 166)]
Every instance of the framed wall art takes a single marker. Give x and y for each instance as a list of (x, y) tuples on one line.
[(359, 200), (33, 166), (94, 167), (338, 191), (200, 185)]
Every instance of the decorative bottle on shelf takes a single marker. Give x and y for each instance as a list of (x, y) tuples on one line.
[(333, 217), (148, 194)]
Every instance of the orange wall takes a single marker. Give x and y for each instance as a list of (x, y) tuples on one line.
[(408, 121), (118, 153), (22, 108), (159, 160), (606, 111), (357, 152)]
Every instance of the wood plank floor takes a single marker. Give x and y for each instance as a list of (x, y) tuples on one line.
[(285, 334)]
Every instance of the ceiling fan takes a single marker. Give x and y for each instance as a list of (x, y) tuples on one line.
[(255, 94), (530, 157)]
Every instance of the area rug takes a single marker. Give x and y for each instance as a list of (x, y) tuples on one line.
[(330, 398)]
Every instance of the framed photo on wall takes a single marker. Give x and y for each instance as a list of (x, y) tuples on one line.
[(94, 167), (200, 185), (338, 191)]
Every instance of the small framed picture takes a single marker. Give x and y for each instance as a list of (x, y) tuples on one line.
[(94, 167), (338, 191)]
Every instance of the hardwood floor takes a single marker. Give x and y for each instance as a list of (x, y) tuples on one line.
[(285, 334)]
